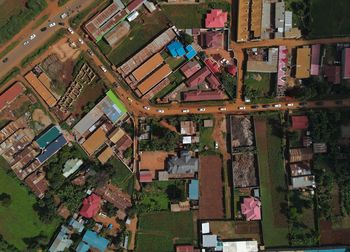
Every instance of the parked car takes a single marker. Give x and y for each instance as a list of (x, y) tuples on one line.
[(64, 15), (43, 29), (241, 107), (90, 52), (33, 36), (201, 109), (276, 105), (222, 109), (266, 106), (70, 30), (61, 23), (146, 108), (290, 104), (103, 68), (160, 110), (26, 43), (5, 60), (129, 99), (52, 24), (254, 106), (185, 111), (80, 41)]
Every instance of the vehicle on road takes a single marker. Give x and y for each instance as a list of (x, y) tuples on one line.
[(52, 24), (222, 109), (5, 60), (216, 145), (201, 109), (241, 107), (185, 110), (146, 107), (339, 102), (26, 42), (160, 110), (43, 29), (103, 68), (266, 106), (33, 36), (129, 99), (64, 15), (90, 52), (70, 30), (302, 104), (319, 103), (289, 104), (80, 41), (60, 23), (276, 105), (254, 106)]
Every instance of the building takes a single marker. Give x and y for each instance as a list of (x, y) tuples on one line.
[(303, 181), (41, 89), (193, 190), (105, 155), (91, 206), (10, 94), (249, 20), (185, 164), (203, 95), (52, 149), (37, 183), (92, 242), (302, 68), (240, 246), (208, 123), (131, 17), (346, 63), (262, 60), (299, 169), (106, 20), (134, 5), (251, 209), (188, 128), (211, 241), (78, 226), (216, 18), (114, 36), (62, 241), (176, 49), (212, 39), (150, 6), (300, 154), (281, 86), (315, 59), (212, 65), (185, 248), (145, 176), (48, 136), (94, 141), (71, 166), (148, 67), (332, 73), (115, 196), (198, 78), (279, 19), (300, 122), (190, 68), (319, 147), (154, 79)]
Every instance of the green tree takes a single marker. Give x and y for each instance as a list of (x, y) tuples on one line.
[(5, 199)]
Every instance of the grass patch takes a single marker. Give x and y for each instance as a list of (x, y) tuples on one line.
[(206, 138), (8, 48), (185, 15), (57, 36), (104, 47), (123, 177), (9, 75), (272, 182), (139, 36), (329, 20), (160, 231), (19, 220), (174, 62), (40, 21), (259, 87)]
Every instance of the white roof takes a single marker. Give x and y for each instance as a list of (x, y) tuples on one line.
[(133, 16), (210, 241), (186, 140), (240, 246), (205, 228)]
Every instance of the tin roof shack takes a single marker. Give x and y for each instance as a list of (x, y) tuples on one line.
[(188, 128), (299, 169), (303, 63), (240, 246), (115, 196), (302, 182), (300, 154), (11, 127), (37, 183), (10, 94), (184, 165)]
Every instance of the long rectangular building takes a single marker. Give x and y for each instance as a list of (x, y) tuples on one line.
[(303, 63), (95, 141), (154, 79), (147, 67), (10, 94), (41, 89)]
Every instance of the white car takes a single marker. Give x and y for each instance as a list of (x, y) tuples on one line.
[(241, 107), (160, 110), (80, 41), (103, 68), (26, 43), (129, 99), (90, 52), (201, 109), (290, 104), (32, 36), (63, 15), (276, 105), (52, 24), (222, 109), (70, 30), (185, 110), (146, 108)]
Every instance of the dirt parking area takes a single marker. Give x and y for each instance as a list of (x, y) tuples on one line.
[(211, 188), (40, 116), (154, 161), (64, 51)]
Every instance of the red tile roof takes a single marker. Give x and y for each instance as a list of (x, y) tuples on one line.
[(115, 196), (346, 63), (91, 206), (134, 5), (232, 69), (10, 94), (332, 73), (145, 176), (37, 183), (190, 68), (213, 82), (216, 19), (315, 59), (198, 77), (203, 95), (300, 122), (213, 65), (184, 248)]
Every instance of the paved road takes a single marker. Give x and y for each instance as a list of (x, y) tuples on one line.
[(18, 53)]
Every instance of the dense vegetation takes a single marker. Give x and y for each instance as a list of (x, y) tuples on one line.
[(17, 22)]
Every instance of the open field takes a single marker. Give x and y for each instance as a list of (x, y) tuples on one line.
[(160, 231), (211, 188), (19, 220), (328, 20), (272, 184), (185, 16), (124, 178), (260, 83), (142, 31), (10, 8), (330, 235)]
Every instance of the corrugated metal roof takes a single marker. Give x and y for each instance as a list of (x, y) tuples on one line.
[(95, 241), (147, 67), (95, 141), (52, 148), (154, 79), (10, 94), (48, 136)]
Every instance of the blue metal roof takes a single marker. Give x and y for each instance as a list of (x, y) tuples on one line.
[(191, 52), (82, 247), (176, 49), (52, 148), (95, 241), (194, 190)]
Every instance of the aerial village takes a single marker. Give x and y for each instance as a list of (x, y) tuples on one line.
[(145, 129)]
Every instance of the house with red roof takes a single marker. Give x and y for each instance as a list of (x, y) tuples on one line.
[(346, 63), (213, 65), (198, 77), (199, 95), (251, 208), (190, 68), (11, 94), (91, 206), (145, 177), (315, 59), (300, 122), (214, 83), (216, 19), (232, 69)]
